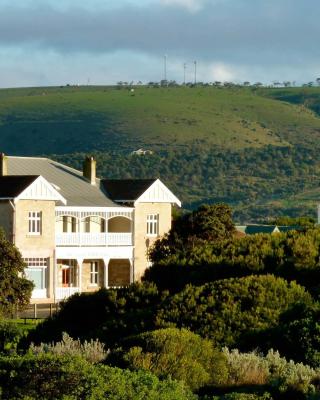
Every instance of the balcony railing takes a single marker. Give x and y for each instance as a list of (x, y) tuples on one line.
[(65, 292), (94, 239)]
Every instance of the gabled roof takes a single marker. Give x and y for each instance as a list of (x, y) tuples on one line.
[(252, 229), (67, 181), (126, 189), (28, 187), (12, 186), (139, 191)]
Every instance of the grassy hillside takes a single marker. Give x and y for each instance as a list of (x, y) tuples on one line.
[(255, 149), (77, 119)]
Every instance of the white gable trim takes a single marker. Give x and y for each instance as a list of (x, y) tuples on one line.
[(40, 189), (158, 193)]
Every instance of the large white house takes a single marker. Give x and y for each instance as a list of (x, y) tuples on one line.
[(78, 233)]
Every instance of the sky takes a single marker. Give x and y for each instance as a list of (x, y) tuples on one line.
[(58, 42)]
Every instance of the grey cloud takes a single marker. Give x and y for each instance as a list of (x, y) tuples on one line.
[(239, 31)]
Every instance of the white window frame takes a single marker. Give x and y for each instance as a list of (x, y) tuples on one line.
[(35, 223), (94, 273), (152, 224), (38, 264)]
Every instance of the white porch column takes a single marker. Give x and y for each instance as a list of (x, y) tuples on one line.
[(106, 271), (131, 270), (79, 262)]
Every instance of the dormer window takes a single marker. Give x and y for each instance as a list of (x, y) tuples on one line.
[(35, 222)]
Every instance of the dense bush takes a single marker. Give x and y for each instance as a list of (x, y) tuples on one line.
[(175, 353), (48, 377), (294, 256), (107, 315), (10, 336), (229, 310), (297, 336)]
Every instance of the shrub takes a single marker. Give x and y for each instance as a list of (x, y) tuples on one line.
[(47, 377), (246, 368), (276, 372), (228, 310), (175, 353), (298, 334), (107, 315), (92, 351), (10, 337)]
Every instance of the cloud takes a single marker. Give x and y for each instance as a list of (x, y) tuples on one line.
[(230, 39), (191, 5)]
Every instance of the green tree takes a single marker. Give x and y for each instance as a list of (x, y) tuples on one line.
[(208, 223), (15, 290)]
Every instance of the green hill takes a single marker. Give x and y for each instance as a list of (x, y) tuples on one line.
[(256, 149)]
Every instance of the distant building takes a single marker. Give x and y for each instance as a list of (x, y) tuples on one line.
[(141, 152), (271, 229)]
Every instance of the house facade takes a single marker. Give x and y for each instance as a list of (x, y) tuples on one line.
[(78, 233)]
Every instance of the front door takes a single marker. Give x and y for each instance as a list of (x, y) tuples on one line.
[(66, 277)]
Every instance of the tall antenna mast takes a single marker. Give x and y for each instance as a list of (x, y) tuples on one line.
[(165, 68), (184, 73), (195, 72)]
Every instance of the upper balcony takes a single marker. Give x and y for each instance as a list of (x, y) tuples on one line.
[(94, 227)]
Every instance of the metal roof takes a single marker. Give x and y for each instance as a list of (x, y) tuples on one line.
[(67, 181)]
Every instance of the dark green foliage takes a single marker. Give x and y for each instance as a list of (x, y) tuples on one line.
[(292, 255), (50, 377), (306, 222), (229, 310), (180, 354), (261, 183), (107, 315), (207, 223), (15, 291), (10, 336), (297, 335)]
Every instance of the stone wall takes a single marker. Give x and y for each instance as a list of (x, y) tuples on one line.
[(141, 240), (119, 272)]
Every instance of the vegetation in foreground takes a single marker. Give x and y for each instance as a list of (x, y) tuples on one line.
[(245, 336)]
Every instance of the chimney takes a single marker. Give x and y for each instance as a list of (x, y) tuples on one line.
[(3, 165), (89, 169)]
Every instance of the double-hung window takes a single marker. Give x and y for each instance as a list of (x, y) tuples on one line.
[(35, 218), (152, 224), (94, 272)]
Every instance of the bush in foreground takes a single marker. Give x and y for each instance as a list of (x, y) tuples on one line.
[(48, 377), (175, 353)]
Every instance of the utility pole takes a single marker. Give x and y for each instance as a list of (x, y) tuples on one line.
[(165, 69), (195, 72), (184, 73)]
